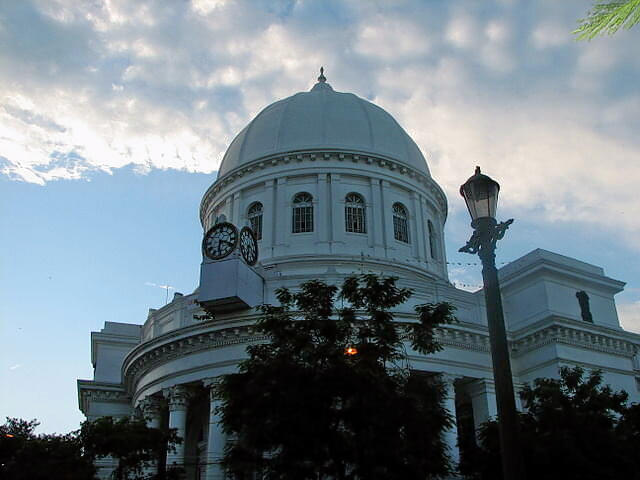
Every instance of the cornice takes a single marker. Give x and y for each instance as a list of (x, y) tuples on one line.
[(149, 357), (134, 368), (567, 335), (461, 336), (377, 160), (90, 391)]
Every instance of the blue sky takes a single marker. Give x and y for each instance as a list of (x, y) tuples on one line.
[(114, 116)]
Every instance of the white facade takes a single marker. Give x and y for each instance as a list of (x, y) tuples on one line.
[(371, 206)]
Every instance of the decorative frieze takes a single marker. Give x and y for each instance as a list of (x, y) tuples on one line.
[(575, 337), (90, 392)]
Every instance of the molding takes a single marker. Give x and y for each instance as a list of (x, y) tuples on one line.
[(311, 155), (567, 335), (474, 338), (90, 391)]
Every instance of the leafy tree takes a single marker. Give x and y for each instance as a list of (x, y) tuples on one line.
[(135, 445), (27, 456), (332, 394), (574, 428), (607, 18)]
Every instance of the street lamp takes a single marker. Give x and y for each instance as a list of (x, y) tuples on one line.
[(480, 193)]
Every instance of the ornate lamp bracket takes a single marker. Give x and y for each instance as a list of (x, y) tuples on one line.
[(485, 236)]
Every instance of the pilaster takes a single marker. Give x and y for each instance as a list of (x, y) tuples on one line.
[(337, 216), (483, 401), (376, 218), (387, 219), (268, 220)]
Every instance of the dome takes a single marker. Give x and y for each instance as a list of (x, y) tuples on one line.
[(322, 119)]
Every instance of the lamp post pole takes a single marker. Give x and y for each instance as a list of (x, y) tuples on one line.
[(481, 195)]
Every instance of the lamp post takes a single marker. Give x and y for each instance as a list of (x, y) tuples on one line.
[(480, 193)]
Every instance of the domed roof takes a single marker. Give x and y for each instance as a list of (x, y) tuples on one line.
[(322, 119)]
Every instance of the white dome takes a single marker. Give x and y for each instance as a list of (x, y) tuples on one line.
[(322, 119)]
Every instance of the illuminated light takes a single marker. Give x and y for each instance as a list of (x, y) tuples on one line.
[(8, 435), (351, 351)]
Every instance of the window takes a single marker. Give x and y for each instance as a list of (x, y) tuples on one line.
[(432, 239), (302, 220), (354, 214), (255, 219), (400, 224)]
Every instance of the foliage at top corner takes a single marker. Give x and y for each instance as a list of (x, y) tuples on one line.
[(607, 17), (332, 394)]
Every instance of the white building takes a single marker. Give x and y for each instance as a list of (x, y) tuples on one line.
[(334, 186)]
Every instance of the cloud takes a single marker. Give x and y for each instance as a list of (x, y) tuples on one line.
[(15, 367), (629, 314), (94, 86), (164, 287)]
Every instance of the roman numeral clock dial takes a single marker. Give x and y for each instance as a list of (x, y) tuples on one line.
[(220, 241)]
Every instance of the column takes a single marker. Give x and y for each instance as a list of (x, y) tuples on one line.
[(375, 218), (483, 402), (323, 215), (216, 438), (178, 398), (282, 216), (337, 214), (417, 223), (237, 214), (387, 219), (151, 408), (450, 436), (269, 208)]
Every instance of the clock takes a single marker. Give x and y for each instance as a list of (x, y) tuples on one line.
[(220, 241), (248, 246)]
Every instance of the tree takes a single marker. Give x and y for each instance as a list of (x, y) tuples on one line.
[(332, 394), (607, 18), (27, 456), (135, 445), (573, 428)]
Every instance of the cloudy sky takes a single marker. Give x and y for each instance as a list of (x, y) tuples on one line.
[(114, 116)]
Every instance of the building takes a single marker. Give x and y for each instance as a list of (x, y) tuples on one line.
[(332, 185)]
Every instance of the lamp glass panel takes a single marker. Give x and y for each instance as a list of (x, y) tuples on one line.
[(481, 197)]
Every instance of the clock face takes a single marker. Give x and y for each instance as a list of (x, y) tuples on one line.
[(248, 246), (220, 241)]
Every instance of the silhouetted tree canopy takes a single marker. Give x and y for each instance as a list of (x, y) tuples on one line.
[(27, 456), (132, 443), (332, 394), (574, 428)]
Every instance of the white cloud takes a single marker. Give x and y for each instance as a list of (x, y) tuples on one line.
[(392, 39), (629, 314), (550, 34), (169, 85), (462, 30)]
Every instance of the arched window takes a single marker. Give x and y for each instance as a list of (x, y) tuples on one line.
[(400, 223), (432, 239), (302, 220), (354, 214), (255, 219)]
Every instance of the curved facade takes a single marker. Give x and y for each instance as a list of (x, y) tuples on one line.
[(332, 186)]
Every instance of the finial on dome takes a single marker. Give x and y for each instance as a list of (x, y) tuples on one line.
[(322, 78)]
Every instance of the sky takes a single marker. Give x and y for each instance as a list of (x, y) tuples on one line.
[(114, 116)]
